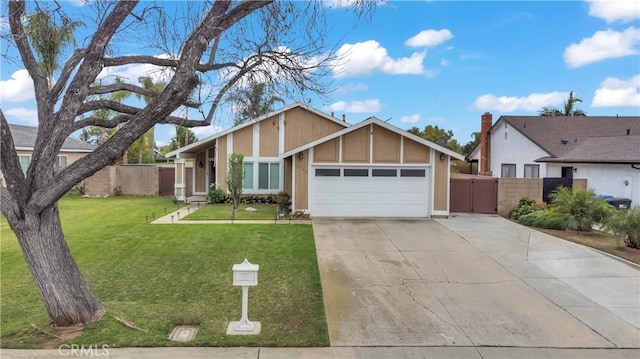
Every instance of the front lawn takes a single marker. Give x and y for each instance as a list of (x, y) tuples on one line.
[(225, 211), (160, 276)]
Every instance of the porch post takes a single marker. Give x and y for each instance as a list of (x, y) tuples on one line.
[(180, 186)]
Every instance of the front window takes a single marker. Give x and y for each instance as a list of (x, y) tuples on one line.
[(25, 160), (247, 180), (531, 171), (268, 175), (508, 170), (61, 161)]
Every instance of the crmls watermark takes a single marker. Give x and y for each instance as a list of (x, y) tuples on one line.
[(76, 350)]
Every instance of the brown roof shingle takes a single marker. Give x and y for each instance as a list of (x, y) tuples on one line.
[(588, 139)]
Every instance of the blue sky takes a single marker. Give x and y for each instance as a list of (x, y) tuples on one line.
[(417, 63)]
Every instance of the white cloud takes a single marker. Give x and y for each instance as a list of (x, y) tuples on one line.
[(25, 116), (533, 102), (614, 10), (366, 106), (444, 62), (428, 38), (348, 88), (616, 92), (410, 118), (339, 4), (17, 89), (602, 45), (366, 58), (435, 119), (205, 131)]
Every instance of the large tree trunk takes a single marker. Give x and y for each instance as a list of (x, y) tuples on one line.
[(66, 294)]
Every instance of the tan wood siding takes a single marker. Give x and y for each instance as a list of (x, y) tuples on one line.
[(302, 182), (243, 141), (269, 137), (200, 185), (221, 166), (355, 146), (441, 185), (287, 175), (327, 152), (386, 145), (302, 127), (413, 152)]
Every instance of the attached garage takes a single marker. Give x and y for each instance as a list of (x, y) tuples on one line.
[(371, 169), (370, 192)]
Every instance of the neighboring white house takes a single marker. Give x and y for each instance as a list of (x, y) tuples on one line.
[(604, 150)]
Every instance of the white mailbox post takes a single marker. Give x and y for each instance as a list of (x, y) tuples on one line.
[(245, 275)]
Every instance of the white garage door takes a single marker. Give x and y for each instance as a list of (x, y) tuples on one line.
[(370, 192)]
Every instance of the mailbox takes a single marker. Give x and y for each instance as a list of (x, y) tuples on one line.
[(245, 274)]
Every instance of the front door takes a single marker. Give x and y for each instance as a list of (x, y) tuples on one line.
[(567, 172), (212, 174)]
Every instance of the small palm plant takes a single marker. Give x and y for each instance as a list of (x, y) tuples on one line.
[(625, 225), (580, 210)]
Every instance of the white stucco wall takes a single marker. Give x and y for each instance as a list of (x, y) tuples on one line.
[(516, 149), (607, 179)]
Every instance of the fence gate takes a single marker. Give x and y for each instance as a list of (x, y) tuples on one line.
[(474, 195), (166, 180), (550, 184)]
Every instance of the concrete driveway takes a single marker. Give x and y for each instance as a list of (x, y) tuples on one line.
[(471, 280)]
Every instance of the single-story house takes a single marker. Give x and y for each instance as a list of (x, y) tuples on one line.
[(329, 167), (604, 150), (24, 140)]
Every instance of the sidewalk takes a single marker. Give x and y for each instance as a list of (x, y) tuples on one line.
[(324, 353)]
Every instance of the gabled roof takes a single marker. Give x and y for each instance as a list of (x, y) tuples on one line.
[(559, 135), (206, 142), (374, 120), (616, 149), (24, 138)]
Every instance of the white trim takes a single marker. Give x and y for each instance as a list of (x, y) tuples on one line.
[(281, 129), (439, 213), (293, 182), (374, 120), (253, 121), (229, 145), (371, 143), (432, 181), (256, 140), (448, 183), (365, 164), (340, 150), (401, 149), (309, 182), (217, 161)]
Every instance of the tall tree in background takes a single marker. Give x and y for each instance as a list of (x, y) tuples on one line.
[(252, 102), (471, 145), (183, 137), (435, 134), (141, 151), (208, 46), (49, 39), (568, 110)]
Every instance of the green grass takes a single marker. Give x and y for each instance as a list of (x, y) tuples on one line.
[(159, 276), (224, 211)]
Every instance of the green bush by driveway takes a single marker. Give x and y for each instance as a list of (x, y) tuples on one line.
[(159, 276)]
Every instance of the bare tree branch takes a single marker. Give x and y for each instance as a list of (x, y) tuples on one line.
[(123, 86), (12, 171), (66, 72)]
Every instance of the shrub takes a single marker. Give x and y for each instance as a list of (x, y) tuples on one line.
[(284, 203), (216, 195), (580, 210), (546, 218), (625, 225), (524, 207)]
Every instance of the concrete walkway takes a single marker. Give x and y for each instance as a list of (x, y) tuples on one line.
[(471, 281)]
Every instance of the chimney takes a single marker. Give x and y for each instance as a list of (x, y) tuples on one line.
[(485, 145)]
